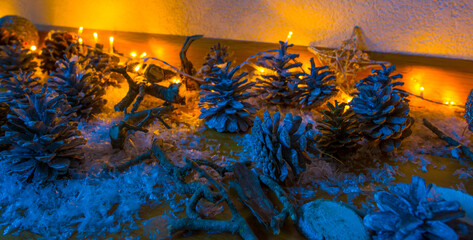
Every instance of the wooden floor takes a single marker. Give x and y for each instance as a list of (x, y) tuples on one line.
[(443, 79)]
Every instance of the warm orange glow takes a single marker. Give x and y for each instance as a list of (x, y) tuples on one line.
[(96, 37), (133, 54), (143, 55), (80, 41), (261, 69), (137, 68), (422, 88), (33, 48), (80, 30), (301, 77)]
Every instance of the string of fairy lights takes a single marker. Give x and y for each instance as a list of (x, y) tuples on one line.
[(143, 59)]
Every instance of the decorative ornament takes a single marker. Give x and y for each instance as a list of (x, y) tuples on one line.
[(382, 109), (338, 129), (57, 44), (279, 146), (223, 98), (7, 37), (80, 84), (45, 142), (409, 212), (278, 86), (314, 89), (15, 59), (347, 61), (24, 29)]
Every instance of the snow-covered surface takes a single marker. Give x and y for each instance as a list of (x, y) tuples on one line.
[(438, 27), (105, 203)]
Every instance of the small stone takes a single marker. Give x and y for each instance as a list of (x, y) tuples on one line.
[(327, 220)]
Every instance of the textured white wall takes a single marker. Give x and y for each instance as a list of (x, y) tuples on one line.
[(425, 27)]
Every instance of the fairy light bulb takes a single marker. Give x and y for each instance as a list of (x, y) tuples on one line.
[(33, 48), (143, 55), (133, 54)]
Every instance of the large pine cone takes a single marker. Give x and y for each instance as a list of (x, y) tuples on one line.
[(314, 89), (277, 146), (17, 86), (277, 86), (81, 85), (57, 45), (7, 37), (45, 142), (382, 109), (338, 128), (223, 101), (14, 58)]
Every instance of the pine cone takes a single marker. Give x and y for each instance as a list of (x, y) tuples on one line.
[(17, 86), (408, 212), (102, 62), (275, 146), (57, 45), (338, 128), (223, 98), (277, 87), (218, 55), (4, 111), (8, 37), (382, 109), (314, 89), (45, 142), (13, 59), (469, 111), (81, 85)]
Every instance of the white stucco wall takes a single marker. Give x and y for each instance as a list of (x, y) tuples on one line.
[(424, 27)]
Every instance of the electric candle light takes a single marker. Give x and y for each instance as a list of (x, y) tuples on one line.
[(288, 37), (80, 31), (111, 44), (95, 38)]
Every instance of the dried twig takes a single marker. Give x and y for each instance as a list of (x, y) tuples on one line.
[(448, 139)]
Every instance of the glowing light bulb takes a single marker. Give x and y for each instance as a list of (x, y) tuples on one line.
[(133, 54), (421, 92), (137, 68), (80, 31), (451, 103), (301, 77), (33, 48), (80, 41), (261, 70), (176, 80), (143, 55), (96, 37), (447, 102)]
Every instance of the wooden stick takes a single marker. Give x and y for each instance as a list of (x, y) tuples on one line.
[(448, 139)]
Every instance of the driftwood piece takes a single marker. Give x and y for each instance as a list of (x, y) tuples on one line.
[(137, 89), (135, 122), (252, 195), (193, 222), (448, 139), (186, 65)]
